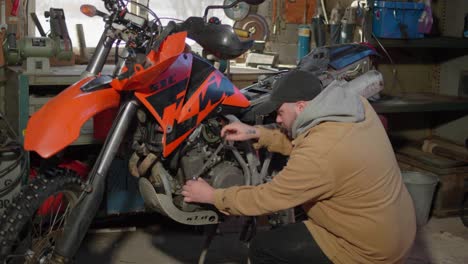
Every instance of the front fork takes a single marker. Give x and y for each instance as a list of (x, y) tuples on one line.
[(82, 215), (103, 48)]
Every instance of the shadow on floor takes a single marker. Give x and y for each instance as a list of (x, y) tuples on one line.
[(419, 253), (156, 239)]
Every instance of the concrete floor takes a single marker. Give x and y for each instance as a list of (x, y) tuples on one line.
[(441, 241), (162, 241)]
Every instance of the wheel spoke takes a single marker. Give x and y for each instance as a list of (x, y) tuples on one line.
[(64, 215), (55, 217), (45, 240)]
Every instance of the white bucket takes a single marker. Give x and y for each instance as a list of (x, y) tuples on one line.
[(421, 186)]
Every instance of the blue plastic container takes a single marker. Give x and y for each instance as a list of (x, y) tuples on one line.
[(303, 45), (397, 20)]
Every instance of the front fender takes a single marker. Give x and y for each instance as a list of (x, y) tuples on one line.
[(57, 124)]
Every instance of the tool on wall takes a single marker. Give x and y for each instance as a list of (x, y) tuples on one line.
[(318, 26), (348, 23), (15, 8), (324, 10), (278, 21), (335, 23), (34, 52)]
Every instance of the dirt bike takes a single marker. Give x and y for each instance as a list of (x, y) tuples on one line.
[(171, 106)]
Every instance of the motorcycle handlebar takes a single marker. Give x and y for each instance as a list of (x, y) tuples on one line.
[(220, 40)]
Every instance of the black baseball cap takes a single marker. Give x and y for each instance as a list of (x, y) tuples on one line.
[(294, 86)]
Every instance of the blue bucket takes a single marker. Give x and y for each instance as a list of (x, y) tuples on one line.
[(397, 20)]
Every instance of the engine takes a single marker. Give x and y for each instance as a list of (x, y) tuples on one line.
[(204, 154)]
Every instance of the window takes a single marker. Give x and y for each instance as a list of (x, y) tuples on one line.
[(93, 27), (182, 9)]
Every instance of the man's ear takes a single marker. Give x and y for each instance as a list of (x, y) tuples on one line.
[(300, 106)]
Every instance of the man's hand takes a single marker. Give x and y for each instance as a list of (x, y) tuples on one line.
[(198, 191), (239, 132)]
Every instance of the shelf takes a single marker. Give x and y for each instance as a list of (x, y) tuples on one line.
[(421, 102), (64, 75), (426, 50), (433, 43), (67, 75)]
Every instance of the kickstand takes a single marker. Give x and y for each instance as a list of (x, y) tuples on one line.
[(210, 234), (249, 230)]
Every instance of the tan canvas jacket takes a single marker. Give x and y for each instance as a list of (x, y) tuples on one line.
[(346, 177)]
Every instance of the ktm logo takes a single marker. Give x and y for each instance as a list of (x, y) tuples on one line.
[(216, 91)]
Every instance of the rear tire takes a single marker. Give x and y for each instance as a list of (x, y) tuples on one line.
[(27, 231)]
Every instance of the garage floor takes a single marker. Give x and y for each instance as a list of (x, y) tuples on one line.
[(441, 241), (162, 241)]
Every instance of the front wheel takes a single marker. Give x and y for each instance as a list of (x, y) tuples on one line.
[(33, 222)]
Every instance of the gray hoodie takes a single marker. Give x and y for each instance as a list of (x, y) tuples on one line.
[(335, 103)]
